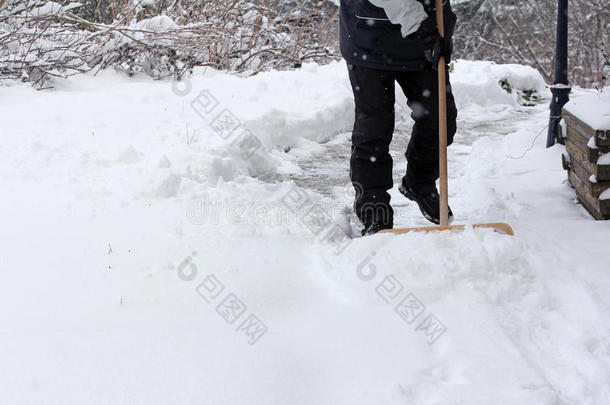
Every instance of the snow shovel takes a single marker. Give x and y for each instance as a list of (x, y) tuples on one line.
[(442, 151)]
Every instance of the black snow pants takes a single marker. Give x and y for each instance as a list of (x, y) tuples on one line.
[(371, 163)]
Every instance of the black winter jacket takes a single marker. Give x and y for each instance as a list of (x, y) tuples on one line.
[(369, 39)]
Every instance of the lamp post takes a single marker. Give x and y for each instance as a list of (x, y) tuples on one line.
[(561, 86)]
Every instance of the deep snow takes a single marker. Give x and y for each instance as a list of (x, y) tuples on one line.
[(128, 223), (592, 108)]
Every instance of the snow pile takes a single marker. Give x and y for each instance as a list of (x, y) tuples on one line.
[(594, 108), (267, 106), (324, 107), (141, 240), (160, 23), (481, 83)]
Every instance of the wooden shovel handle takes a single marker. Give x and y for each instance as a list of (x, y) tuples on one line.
[(442, 124)]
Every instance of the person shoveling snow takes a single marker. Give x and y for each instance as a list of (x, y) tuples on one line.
[(384, 42), (409, 42)]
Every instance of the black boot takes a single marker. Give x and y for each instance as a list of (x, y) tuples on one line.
[(428, 200), (374, 211), (372, 229)]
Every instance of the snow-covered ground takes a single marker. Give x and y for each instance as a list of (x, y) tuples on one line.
[(147, 259)]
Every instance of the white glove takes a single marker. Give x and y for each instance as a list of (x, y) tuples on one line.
[(408, 13)]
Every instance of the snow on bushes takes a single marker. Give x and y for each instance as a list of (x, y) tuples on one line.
[(39, 39)]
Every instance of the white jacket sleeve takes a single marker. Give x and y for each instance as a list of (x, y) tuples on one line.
[(408, 13)]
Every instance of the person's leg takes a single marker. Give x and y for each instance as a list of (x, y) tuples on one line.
[(421, 89), (371, 163)]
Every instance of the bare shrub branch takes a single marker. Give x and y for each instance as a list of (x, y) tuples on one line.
[(40, 40)]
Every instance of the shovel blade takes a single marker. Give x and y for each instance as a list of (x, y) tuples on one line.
[(499, 227)]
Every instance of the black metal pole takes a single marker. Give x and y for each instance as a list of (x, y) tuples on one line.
[(561, 86)]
